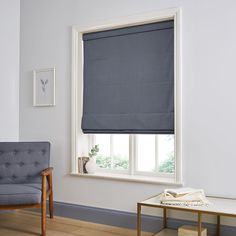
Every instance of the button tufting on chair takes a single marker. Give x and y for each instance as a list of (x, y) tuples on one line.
[(21, 164), (7, 164), (36, 163), (43, 151), (15, 152)]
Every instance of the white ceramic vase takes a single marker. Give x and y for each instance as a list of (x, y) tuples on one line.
[(91, 165)]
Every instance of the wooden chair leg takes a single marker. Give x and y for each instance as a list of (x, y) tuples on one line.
[(51, 205), (50, 196), (43, 219), (43, 207)]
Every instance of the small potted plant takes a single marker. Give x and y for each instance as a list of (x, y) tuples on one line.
[(91, 164)]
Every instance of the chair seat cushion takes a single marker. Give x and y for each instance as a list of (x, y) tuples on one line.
[(19, 194)]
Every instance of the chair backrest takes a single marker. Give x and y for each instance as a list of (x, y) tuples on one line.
[(22, 162)]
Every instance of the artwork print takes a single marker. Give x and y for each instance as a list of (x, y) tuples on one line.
[(44, 87)]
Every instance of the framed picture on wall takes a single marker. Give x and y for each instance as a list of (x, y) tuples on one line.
[(44, 87)]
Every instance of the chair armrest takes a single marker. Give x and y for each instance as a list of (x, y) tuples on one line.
[(46, 177), (47, 171)]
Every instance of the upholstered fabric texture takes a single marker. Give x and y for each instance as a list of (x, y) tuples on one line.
[(20, 194), (22, 162)]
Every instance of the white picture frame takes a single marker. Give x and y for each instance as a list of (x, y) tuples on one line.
[(44, 87)]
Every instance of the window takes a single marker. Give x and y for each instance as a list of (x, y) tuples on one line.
[(114, 151), (154, 154), (140, 154)]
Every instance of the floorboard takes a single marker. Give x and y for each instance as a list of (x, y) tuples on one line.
[(25, 223)]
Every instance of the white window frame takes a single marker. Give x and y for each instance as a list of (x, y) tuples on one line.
[(80, 143), (133, 159)]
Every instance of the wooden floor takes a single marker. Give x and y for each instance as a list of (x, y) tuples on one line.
[(23, 223)]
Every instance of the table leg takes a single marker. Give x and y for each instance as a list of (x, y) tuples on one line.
[(218, 225), (199, 224), (139, 219), (164, 218)]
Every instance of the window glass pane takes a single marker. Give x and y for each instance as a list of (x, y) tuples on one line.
[(120, 151), (103, 158), (113, 151), (146, 152), (166, 155)]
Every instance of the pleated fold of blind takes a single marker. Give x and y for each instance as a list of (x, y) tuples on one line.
[(129, 80)]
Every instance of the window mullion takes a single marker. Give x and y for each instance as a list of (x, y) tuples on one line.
[(156, 154), (131, 154), (91, 141), (112, 151)]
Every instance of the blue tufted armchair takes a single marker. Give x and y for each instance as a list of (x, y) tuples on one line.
[(25, 177)]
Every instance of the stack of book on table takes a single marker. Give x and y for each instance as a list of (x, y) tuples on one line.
[(184, 197)]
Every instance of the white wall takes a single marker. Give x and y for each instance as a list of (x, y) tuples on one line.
[(209, 97), (9, 69)]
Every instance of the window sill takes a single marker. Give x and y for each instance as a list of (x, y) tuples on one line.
[(130, 178)]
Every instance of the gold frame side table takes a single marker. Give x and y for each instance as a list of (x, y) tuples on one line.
[(218, 207)]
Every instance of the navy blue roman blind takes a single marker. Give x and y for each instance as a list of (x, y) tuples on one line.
[(129, 80)]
